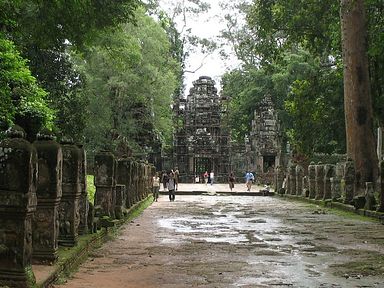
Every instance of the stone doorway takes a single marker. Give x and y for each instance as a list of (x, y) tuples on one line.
[(202, 164), (268, 162)]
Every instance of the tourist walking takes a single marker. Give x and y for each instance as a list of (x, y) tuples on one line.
[(177, 173), (212, 177), (231, 181), (155, 186), (205, 177), (164, 180), (249, 178), (171, 186)]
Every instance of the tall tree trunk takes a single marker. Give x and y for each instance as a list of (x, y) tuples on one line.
[(357, 96)]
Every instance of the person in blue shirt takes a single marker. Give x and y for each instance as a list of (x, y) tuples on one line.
[(249, 178)]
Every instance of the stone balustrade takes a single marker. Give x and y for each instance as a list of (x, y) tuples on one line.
[(328, 182), (44, 200)]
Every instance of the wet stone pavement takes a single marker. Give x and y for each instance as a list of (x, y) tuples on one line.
[(238, 241)]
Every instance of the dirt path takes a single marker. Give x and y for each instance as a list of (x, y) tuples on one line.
[(229, 241)]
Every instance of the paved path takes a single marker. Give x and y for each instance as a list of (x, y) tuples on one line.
[(240, 188), (234, 241)]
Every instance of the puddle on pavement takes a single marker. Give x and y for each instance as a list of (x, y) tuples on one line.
[(272, 238)]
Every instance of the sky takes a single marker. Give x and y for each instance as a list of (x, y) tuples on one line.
[(206, 25)]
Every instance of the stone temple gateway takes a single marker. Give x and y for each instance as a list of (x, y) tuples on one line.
[(201, 142)]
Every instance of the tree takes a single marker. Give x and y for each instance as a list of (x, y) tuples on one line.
[(357, 95), (133, 73), (23, 102)]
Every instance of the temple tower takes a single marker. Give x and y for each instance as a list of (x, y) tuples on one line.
[(201, 142)]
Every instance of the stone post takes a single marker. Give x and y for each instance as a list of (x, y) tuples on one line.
[(104, 182), (299, 180), (292, 179), (141, 180), (279, 179), (18, 179), (120, 201), (335, 188), (380, 206), (49, 190), (349, 181), (329, 172), (305, 187), (319, 181), (312, 180), (134, 182), (69, 205), (370, 201), (124, 173), (83, 200)]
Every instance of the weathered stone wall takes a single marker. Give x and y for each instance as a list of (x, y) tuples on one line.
[(49, 193), (44, 201), (330, 182), (18, 179)]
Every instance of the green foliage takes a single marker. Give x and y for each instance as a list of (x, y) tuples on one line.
[(22, 100), (245, 89), (307, 96), (131, 76), (91, 189)]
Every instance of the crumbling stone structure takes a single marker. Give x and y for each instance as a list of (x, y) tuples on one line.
[(292, 179), (329, 172), (49, 192), (18, 180), (319, 168), (124, 177), (349, 181), (202, 143), (265, 140), (105, 182), (299, 179), (312, 180), (83, 200), (69, 213)]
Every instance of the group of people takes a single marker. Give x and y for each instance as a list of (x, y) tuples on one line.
[(209, 177), (170, 181), (249, 179)]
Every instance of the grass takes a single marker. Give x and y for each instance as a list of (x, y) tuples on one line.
[(91, 189)]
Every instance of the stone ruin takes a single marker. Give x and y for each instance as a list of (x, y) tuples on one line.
[(202, 143), (44, 201), (329, 182), (264, 142)]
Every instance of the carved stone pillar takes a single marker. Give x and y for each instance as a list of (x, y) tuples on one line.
[(279, 176), (292, 180), (124, 177), (370, 200), (135, 181), (83, 200), (49, 191), (312, 180), (105, 182), (299, 180), (120, 201), (142, 180), (18, 177), (319, 181), (349, 181), (69, 205), (305, 187), (380, 206), (335, 188), (329, 172)]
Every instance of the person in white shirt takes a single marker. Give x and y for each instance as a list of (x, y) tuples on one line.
[(171, 186), (155, 186), (212, 176)]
